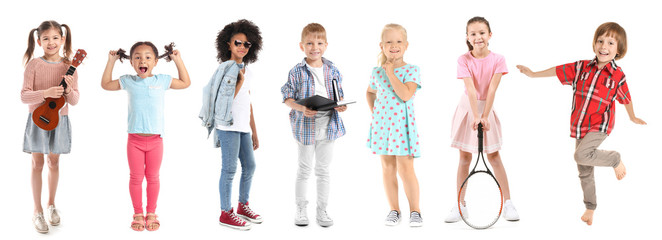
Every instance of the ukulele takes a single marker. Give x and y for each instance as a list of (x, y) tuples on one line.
[(47, 115)]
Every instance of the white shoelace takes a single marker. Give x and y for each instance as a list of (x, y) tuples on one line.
[(249, 211), (236, 219)]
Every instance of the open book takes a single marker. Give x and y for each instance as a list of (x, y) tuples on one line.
[(319, 103)]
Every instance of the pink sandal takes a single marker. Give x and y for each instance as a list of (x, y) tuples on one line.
[(138, 225), (151, 221)]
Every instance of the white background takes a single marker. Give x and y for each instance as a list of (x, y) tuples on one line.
[(537, 152)]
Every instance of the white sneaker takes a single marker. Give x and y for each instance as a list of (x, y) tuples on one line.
[(454, 215), (53, 216), (415, 219), (323, 218), (301, 216), (40, 223), (509, 211), (393, 218)]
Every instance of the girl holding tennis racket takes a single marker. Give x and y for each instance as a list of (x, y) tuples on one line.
[(481, 71)]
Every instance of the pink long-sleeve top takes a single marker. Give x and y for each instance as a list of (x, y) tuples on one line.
[(41, 75)]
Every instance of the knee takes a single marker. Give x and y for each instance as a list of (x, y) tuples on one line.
[(37, 165), (389, 169), (465, 158), (248, 167), (581, 155), (53, 162), (494, 159), (152, 177), (321, 171), (136, 178)]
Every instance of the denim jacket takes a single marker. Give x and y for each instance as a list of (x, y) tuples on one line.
[(217, 96)]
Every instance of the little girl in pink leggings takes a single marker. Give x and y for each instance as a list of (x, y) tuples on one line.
[(146, 119)]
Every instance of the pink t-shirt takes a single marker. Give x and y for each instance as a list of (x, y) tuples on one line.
[(480, 70)]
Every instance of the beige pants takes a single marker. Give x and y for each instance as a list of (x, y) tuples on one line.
[(588, 156)]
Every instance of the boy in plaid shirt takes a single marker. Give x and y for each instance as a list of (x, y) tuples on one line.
[(315, 131), (596, 85)]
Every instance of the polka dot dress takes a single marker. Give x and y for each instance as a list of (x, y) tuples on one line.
[(393, 126)]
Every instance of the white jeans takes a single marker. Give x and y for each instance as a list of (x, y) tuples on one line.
[(322, 151)]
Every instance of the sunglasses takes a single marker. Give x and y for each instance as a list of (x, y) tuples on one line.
[(238, 43)]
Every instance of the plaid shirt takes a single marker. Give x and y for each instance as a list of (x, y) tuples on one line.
[(300, 84), (594, 93)]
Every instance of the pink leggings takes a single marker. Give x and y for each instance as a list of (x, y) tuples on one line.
[(144, 154)]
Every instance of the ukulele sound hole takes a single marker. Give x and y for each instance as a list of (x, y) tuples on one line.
[(52, 105)]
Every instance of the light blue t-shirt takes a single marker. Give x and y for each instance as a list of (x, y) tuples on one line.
[(146, 101)]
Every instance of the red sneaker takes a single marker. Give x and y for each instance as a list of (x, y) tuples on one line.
[(245, 212), (229, 219)]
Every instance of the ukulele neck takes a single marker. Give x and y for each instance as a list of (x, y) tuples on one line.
[(70, 72)]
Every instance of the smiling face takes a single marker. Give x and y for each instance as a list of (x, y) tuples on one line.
[(143, 60), (51, 40), (478, 35), (239, 47), (314, 46), (605, 48), (394, 44)]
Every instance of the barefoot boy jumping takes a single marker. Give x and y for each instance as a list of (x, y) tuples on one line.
[(596, 84)]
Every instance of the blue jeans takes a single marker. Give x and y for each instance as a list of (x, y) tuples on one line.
[(235, 145)]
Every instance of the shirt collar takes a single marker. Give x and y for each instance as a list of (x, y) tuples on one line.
[(611, 66), (324, 60)]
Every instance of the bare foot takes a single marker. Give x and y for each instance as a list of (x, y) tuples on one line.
[(588, 217), (620, 171)]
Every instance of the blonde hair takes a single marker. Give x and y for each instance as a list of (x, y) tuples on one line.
[(314, 28), (617, 32), (391, 26)]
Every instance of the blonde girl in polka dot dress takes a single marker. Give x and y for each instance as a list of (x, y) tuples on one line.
[(393, 134)]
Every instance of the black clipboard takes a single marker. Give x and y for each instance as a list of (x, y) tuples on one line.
[(319, 103)]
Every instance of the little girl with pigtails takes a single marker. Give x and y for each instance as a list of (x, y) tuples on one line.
[(145, 120)]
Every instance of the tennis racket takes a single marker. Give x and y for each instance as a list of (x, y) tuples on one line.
[(481, 193)]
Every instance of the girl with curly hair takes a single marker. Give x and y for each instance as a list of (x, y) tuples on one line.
[(227, 110)]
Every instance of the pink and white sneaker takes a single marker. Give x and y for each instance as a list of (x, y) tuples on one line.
[(229, 219), (245, 212)]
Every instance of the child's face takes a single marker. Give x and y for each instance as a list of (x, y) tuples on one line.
[(143, 60), (478, 35), (314, 47), (605, 48), (51, 41), (239, 47), (393, 44)]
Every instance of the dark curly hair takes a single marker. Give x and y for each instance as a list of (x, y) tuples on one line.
[(246, 27)]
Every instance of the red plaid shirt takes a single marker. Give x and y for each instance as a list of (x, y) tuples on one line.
[(594, 93)]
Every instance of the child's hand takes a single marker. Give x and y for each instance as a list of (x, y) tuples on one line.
[(341, 108), (69, 80), (113, 56), (176, 55), (256, 142), (54, 92), (527, 71), (486, 124), (638, 121), (388, 65), (307, 112)]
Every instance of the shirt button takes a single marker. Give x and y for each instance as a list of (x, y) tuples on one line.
[(228, 81)]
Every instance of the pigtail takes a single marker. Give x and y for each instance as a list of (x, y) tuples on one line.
[(122, 54), (28, 53), (471, 48), (67, 44), (169, 49)]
